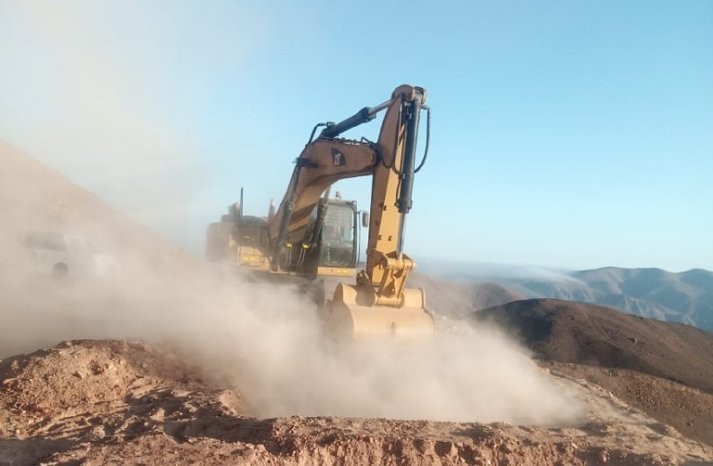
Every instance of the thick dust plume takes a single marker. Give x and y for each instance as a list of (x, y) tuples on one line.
[(265, 339), (262, 339)]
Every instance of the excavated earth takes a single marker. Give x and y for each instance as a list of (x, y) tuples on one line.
[(119, 402), (96, 402)]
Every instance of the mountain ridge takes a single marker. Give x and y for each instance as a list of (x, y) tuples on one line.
[(685, 297)]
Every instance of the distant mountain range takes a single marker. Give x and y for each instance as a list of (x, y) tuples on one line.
[(679, 297), (685, 297)]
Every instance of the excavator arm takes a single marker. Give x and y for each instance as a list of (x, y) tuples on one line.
[(321, 164), (379, 303)]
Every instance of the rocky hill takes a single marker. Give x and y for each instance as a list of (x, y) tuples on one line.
[(685, 297), (664, 368)]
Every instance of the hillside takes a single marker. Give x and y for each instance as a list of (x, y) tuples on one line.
[(682, 297), (664, 368), (565, 331), (33, 197), (685, 297), (455, 300)]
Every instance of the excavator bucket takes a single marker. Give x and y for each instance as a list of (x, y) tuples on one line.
[(352, 317)]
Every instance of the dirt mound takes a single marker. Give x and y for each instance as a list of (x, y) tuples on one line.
[(116, 402), (664, 369), (338, 441), (567, 331), (688, 410), (91, 390)]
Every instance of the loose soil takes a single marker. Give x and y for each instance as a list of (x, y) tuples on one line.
[(119, 402)]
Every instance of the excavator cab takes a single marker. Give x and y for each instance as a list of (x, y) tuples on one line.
[(339, 240), (243, 240)]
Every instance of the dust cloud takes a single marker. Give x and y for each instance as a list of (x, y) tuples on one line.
[(263, 339), (260, 338)]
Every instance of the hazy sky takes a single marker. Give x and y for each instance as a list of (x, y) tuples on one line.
[(565, 133)]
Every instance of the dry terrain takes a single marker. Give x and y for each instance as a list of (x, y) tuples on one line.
[(176, 362), (662, 368), (119, 402)]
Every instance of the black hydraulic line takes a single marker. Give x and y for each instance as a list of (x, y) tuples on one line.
[(428, 138), (289, 206), (404, 201), (314, 130), (312, 237), (360, 117)]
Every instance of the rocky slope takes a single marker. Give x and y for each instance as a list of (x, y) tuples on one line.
[(665, 369), (35, 198)]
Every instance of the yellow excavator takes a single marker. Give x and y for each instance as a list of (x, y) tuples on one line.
[(311, 235)]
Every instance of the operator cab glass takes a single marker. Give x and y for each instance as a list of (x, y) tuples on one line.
[(338, 248)]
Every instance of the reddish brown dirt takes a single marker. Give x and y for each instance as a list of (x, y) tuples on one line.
[(665, 369), (567, 331), (688, 410), (115, 402)]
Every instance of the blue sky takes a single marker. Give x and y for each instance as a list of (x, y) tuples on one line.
[(565, 133)]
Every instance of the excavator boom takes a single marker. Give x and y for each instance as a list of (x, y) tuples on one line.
[(378, 303)]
